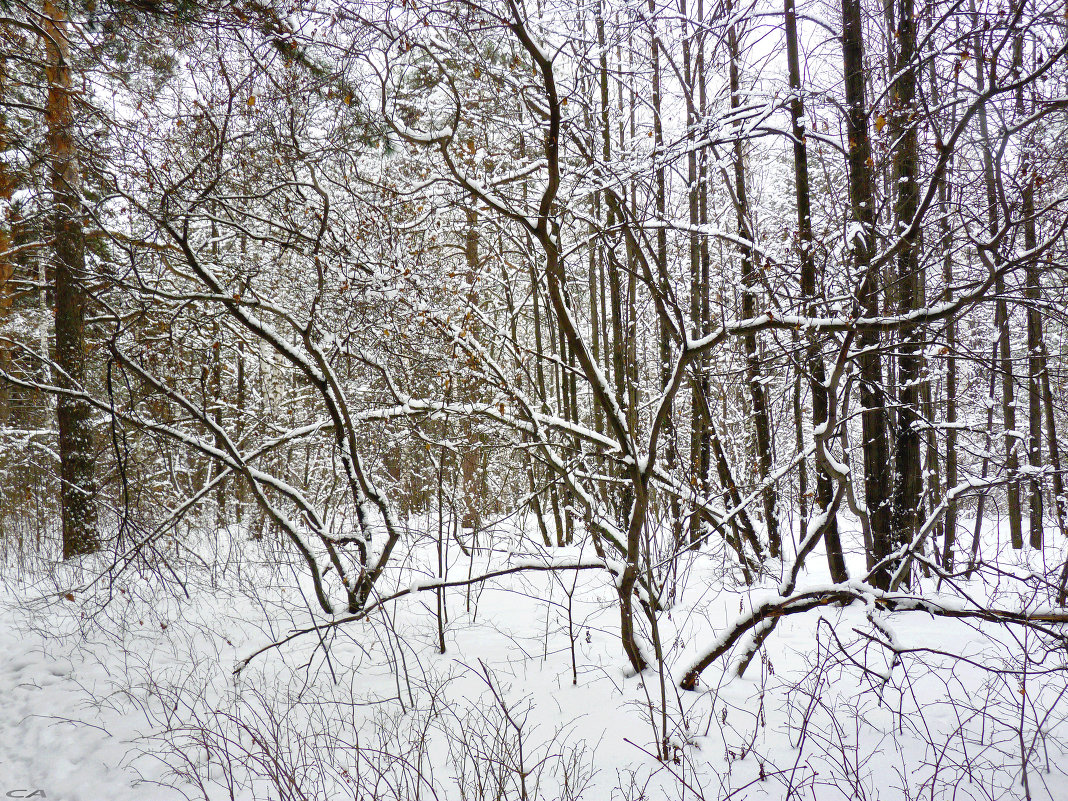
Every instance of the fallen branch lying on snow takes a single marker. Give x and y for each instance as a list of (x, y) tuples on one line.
[(422, 587), (850, 592)]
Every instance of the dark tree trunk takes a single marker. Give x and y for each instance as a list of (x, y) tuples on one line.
[(949, 524), (908, 478), (813, 357), (7, 264), (700, 438), (877, 484), (471, 457), (671, 455), (78, 489), (754, 376), (1033, 293), (1004, 363)]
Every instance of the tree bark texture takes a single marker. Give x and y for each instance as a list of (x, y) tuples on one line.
[(78, 487)]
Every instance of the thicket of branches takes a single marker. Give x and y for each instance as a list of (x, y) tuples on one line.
[(736, 277)]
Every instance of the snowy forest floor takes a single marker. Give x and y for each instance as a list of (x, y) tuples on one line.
[(126, 689)]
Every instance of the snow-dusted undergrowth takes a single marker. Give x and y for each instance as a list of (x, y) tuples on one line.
[(127, 689)]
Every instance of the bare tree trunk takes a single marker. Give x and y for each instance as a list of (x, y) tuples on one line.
[(703, 321), (596, 333), (1059, 502), (614, 336), (699, 394), (932, 465), (980, 504), (813, 358), (78, 491), (946, 245), (1008, 388), (742, 532), (239, 430), (630, 305), (1059, 505), (215, 375), (1033, 293), (803, 494), (876, 450), (7, 269), (754, 376), (7, 263), (542, 388), (471, 458), (671, 455), (1035, 369), (950, 525), (217, 415)]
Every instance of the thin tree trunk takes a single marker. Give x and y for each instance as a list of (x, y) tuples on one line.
[(7, 264), (595, 319), (614, 337), (470, 458), (813, 358), (671, 454), (239, 428), (1059, 505), (215, 375), (217, 414), (742, 531), (946, 245), (980, 504), (539, 377), (630, 308), (1008, 388), (1034, 370), (704, 316), (802, 467), (1033, 293), (754, 376), (697, 387), (951, 394), (542, 391)]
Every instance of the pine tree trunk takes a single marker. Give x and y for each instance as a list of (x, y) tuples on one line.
[(76, 455)]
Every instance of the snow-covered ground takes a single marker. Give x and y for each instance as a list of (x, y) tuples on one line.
[(126, 690), (60, 737)]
